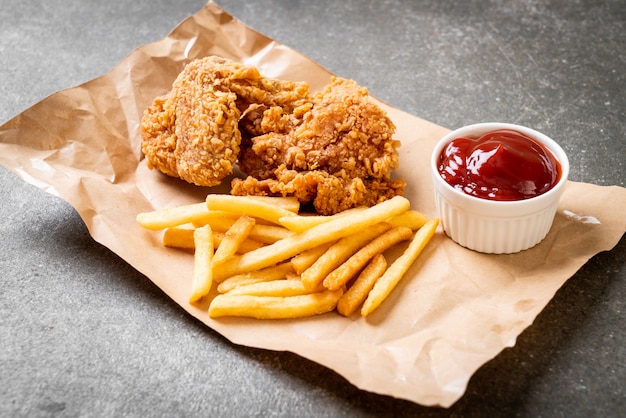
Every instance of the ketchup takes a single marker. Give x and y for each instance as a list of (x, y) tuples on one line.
[(500, 165)]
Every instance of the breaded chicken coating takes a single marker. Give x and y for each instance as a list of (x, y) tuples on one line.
[(192, 132), (329, 194), (335, 150), (339, 129)]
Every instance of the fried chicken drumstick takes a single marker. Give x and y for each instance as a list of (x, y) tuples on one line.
[(334, 149)]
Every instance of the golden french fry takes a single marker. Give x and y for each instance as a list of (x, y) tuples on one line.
[(398, 268), (306, 258), (317, 235), (301, 223), (342, 274), (285, 287), (277, 272), (294, 276), (411, 219), (246, 245), (164, 218), (233, 239), (339, 253), (292, 204), (182, 237), (269, 234), (246, 205), (179, 236), (220, 220), (259, 287), (202, 271), (357, 293), (274, 307)]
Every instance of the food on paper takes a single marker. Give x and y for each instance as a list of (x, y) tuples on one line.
[(392, 276), (241, 206), (340, 252), (233, 239), (351, 267), (500, 165), (288, 203), (356, 294), (411, 219), (175, 216), (182, 237), (336, 150), (333, 149), (269, 234), (320, 234), (202, 267), (307, 258), (192, 132), (274, 307), (277, 272), (301, 274), (302, 223), (285, 287)]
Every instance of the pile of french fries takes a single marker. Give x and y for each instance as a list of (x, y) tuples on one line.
[(267, 260)]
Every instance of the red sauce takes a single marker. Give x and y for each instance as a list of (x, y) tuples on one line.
[(500, 165)]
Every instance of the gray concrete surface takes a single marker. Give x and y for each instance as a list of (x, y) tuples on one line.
[(83, 334)]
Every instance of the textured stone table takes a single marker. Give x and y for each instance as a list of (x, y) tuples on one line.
[(83, 334)]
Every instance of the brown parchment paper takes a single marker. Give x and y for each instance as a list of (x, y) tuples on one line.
[(454, 310)]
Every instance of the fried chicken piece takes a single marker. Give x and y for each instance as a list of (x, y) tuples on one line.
[(328, 193), (193, 133), (339, 129), (335, 150)]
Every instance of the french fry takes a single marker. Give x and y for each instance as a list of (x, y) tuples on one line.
[(285, 287), (179, 236), (182, 237), (411, 219), (317, 235), (350, 268), (303, 222), (202, 271), (277, 272), (269, 261), (246, 205), (292, 204), (305, 259), (339, 253), (358, 291), (164, 218), (274, 307), (233, 239), (246, 245), (220, 220), (294, 276), (269, 234), (398, 268)]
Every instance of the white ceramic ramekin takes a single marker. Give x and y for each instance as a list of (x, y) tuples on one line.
[(490, 226)]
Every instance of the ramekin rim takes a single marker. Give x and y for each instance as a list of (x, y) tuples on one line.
[(488, 126)]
